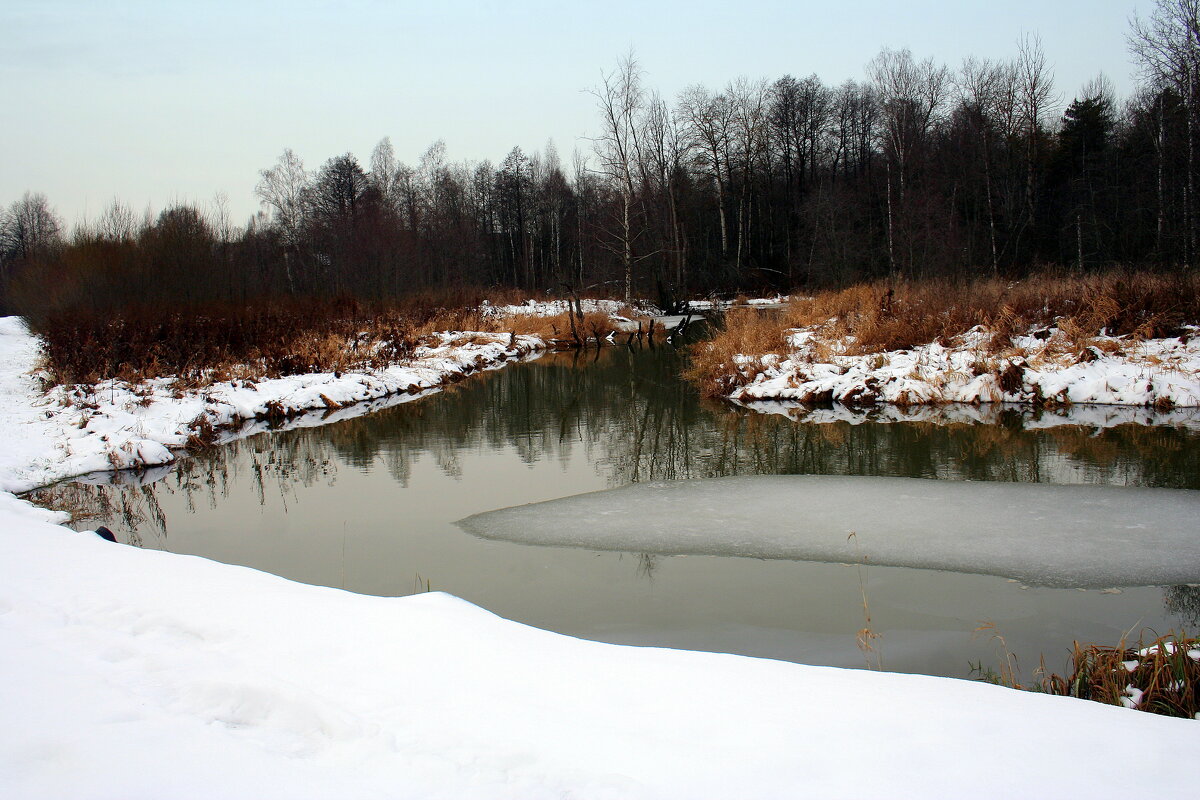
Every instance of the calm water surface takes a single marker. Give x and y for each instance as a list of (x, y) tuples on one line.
[(368, 504)]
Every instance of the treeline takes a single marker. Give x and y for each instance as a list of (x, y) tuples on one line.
[(917, 171)]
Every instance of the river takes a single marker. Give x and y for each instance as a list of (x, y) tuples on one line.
[(369, 504)]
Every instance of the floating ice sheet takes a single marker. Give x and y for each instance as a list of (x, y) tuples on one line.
[(1086, 536)]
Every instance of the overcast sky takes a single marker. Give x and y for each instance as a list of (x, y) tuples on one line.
[(156, 102)]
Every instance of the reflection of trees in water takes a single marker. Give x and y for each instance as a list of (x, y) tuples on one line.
[(1129, 454), (128, 505), (1184, 602), (635, 420), (132, 502)]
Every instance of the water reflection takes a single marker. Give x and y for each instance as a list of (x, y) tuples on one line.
[(367, 503), (1184, 602), (626, 413)]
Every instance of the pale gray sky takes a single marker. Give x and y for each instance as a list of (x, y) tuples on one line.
[(155, 102)]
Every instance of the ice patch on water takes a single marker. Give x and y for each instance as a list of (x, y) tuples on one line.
[(1083, 536)]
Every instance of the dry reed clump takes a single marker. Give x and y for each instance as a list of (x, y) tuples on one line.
[(881, 317), (747, 331), (1162, 677)]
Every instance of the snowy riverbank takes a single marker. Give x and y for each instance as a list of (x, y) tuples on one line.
[(143, 674), (1038, 369), (72, 431)]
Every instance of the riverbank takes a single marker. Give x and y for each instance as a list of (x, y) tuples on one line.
[(133, 413), (1044, 343), (117, 660), (76, 429)]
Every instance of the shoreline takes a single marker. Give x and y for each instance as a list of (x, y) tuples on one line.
[(78, 430)]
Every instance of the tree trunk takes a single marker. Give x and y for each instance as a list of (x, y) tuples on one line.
[(1079, 240), (987, 180), (1162, 154), (890, 225), (627, 245), (721, 214)]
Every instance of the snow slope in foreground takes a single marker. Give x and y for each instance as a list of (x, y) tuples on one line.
[(142, 674), (1077, 536)]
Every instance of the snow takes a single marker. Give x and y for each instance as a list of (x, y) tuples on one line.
[(1116, 370), (1082, 536), (1132, 696), (667, 322), (552, 308), (139, 673), (720, 305), (143, 674)]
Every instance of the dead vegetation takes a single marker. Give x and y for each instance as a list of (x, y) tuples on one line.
[(208, 344), (876, 318), (1162, 677)]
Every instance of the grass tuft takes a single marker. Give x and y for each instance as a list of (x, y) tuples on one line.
[(1161, 677)]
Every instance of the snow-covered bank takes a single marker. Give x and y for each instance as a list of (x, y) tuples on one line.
[(550, 308), (134, 673), (723, 305), (77, 430), (1070, 536), (1035, 370)]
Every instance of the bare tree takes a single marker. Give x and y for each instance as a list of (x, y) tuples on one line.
[(981, 87), (748, 100), (29, 227), (1035, 98), (708, 125), (665, 150), (285, 189), (116, 222), (1167, 47), (383, 172), (618, 149), (218, 218), (911, 96)]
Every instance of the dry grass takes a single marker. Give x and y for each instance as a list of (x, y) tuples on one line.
[(881, 317), (213, 343), (746, 331), (1162, 677)]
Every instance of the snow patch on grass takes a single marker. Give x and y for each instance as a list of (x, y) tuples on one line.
[(1041, 370)]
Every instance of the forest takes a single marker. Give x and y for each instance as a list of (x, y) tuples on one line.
[(917, 171)]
